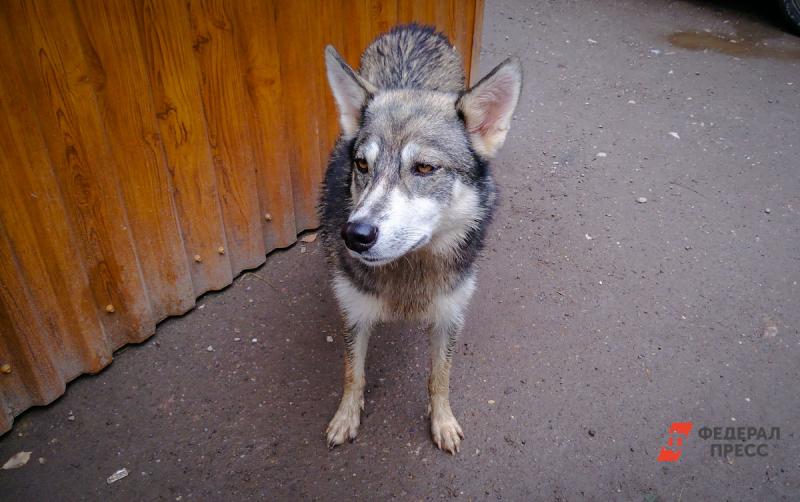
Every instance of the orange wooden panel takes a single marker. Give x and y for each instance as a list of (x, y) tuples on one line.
[(49, 326), (31, 376), (258, 35), (62, 80), (175, 82), (475, 42), (141, 164), (301, 64), (226, 103)]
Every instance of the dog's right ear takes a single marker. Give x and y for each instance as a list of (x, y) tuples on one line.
[(487, 108), (350, 91)]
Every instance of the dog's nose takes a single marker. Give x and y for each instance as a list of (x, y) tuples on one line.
[(359, 236)]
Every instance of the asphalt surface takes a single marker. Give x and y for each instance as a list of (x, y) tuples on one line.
[(598, 320)]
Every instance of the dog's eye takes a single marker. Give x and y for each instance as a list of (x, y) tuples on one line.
[(423, 169), (361, 165)]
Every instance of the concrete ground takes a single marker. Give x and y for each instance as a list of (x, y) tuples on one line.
[(598, 321)]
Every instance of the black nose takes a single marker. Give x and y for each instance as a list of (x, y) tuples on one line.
[(359, 236)]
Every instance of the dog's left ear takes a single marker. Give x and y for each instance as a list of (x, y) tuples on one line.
[(350, 91), (487, 107)]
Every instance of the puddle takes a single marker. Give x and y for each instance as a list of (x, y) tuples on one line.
[(747, 46)]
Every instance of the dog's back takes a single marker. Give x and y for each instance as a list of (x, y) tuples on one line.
[(415, 57)]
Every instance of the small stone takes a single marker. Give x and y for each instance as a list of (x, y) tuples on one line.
[(117, 476), (221, 250), (329, 339), (237, 339), (490, 401), (210, 348), (5, 368), (268, 217), (197, 258), (674, 135), (767, 210), (254, 340), (17, 461), (110, 308), (602, 154), (641, 200)]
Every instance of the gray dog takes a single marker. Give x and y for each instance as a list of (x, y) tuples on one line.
[(407, 199)]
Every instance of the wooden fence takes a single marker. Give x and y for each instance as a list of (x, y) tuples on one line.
[(151, 151)]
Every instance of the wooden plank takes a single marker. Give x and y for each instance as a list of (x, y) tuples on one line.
[(41, 245), (51, 331), (350, 39), (417, 11), (33, 377), (175, 82), (255, 21), (301, 64), (333, 33), (225, 101), (141, 164), (477, 33), (62, 80)]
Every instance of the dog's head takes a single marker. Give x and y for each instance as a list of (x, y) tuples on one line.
[(417, 158)]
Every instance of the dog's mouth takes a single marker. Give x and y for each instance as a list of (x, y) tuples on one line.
[(375, 261)]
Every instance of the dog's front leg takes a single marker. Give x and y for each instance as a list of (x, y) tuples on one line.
[(344, 424), (362, 312), (446, 326)]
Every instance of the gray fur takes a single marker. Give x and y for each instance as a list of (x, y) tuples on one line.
[(413, 57), (407, 107)]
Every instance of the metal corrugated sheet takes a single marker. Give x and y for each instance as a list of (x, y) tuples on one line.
[(152, 150)]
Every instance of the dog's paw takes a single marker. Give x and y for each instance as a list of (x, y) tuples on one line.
[(446, 432), (344, 425)]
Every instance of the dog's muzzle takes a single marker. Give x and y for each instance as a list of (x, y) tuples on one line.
[(359, 236)]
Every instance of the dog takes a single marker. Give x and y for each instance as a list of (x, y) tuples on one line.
[(406, 201)]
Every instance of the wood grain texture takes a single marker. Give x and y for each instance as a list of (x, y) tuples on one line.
[(228, 122), (62, 79), (126, 105), (151, 151), (262, 73), (175, 82)]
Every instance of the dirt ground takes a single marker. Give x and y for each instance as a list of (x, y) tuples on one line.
[(598, 321)]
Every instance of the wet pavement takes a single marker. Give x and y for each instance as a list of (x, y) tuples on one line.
[(598, 321)]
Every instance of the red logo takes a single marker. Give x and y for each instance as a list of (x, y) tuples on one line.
[(678, 431)]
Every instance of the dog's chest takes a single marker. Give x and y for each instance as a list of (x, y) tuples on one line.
[(409, 288)]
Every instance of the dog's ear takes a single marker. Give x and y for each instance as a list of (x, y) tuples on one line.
[(350, 91), (487, 107)]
